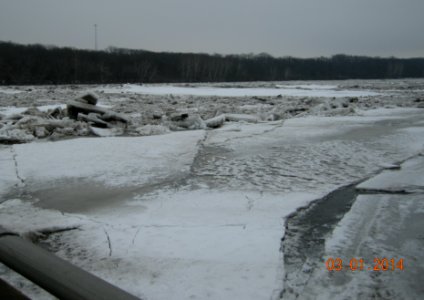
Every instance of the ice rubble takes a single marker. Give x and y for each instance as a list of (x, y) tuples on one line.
[(82, 117), (133, 107)]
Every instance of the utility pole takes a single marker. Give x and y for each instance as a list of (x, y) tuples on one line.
[(95, 37)]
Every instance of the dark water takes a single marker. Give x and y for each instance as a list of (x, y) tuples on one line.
[(306, 230), (78, 196)]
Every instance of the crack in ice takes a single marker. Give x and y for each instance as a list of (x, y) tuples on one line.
[(108, 242), (14, 157)]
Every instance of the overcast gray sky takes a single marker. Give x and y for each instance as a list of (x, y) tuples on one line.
[(302, 28)]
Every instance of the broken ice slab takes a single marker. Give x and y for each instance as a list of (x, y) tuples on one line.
[(90, 98), (390, 166), (12, 135), (105, 132), (178, 117), (30, 122), (75, 107), (241, 117), (14, 117), (40, 132), (215, 122), (409, 179), (34, 111), (190, 122), (114, 116), (92, 118), (219, 120), (150, 130), (57, 113)]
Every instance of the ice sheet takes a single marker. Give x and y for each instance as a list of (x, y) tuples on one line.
[(215, 233), (115, 161), (308, 86), (193, 244), (408, 179), (236, 92)]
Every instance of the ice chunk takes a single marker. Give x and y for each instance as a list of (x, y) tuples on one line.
[(13, 135), (215, 122), (241, 117)]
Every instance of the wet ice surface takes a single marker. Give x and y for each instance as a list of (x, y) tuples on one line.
[(200, 214), (378, 226)]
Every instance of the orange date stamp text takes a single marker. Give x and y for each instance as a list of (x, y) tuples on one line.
[(359, 264)]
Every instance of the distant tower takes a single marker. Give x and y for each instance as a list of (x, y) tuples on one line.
[(95, 36)]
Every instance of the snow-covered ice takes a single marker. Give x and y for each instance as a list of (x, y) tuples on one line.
[(117, 161), (322, 91), (308, 86), (201, 214), (409, 180)]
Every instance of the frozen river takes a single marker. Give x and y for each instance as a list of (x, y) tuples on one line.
[(201, 214)]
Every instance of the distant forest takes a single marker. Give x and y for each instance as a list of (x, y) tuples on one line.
[(38, 64)]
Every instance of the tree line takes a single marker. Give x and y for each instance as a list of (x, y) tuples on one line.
[(39, 64)]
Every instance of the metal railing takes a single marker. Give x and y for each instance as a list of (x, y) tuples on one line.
[(57, 276)]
